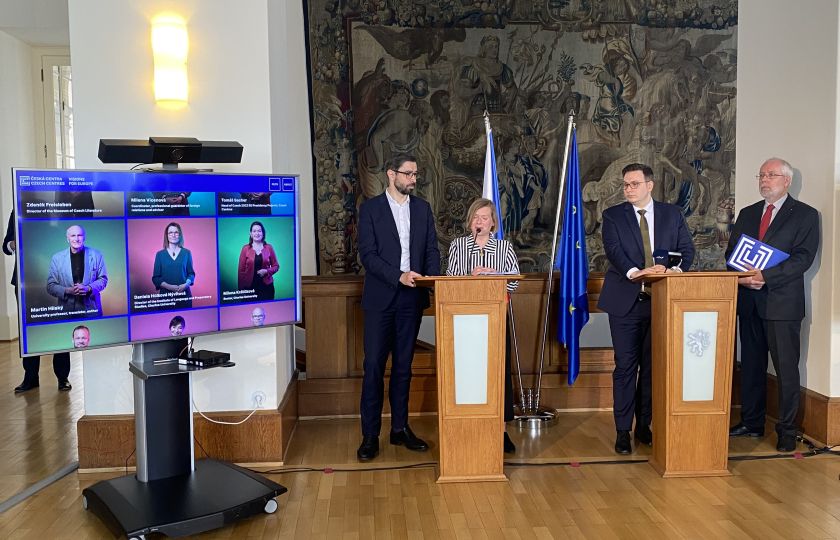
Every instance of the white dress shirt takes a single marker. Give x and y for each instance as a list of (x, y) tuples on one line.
[(402, 218)]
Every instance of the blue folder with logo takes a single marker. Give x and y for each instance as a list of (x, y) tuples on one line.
[(749, 253)]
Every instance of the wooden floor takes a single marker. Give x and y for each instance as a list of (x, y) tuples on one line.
[(547, 497)]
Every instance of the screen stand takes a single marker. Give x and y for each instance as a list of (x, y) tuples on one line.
[(172, 493)]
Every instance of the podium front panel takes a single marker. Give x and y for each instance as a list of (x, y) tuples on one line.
[(702, 333), (473, 349)]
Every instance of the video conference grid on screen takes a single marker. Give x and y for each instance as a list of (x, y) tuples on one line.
[(110, 257)]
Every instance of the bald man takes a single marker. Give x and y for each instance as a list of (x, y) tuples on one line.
[(771, 303), (78, 276), (258, 317)]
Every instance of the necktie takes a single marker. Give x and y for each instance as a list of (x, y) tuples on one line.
[(643, 225), (765, 222)]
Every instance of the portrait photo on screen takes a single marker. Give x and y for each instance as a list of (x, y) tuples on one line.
[(256, 258), (256, 315), (71, 204), (174, 324), (76, 335), (171, 203), (172, 263), (72, 269)]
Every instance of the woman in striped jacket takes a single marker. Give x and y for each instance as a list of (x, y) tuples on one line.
[(481, 253)]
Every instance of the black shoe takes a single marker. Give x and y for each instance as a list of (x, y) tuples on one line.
[(25, 387), (622, 443), (740, 430), (64, 386), (787, 443), (369, 449), (407, 438), (643, 435), (508, 445)]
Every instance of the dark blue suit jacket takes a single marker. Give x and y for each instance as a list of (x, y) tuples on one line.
[(796, 231), (379, 250), (623, 247)]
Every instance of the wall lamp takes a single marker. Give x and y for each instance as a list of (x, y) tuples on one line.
[(170, 45)]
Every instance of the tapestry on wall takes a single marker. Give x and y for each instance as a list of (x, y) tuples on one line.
[(650, 82)]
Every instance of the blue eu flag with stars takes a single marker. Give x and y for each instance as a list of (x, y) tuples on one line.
[(573, 266)]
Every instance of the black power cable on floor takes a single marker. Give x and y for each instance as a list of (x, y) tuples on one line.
[(812, 451)]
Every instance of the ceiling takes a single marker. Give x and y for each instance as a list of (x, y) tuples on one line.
[(40, 23)]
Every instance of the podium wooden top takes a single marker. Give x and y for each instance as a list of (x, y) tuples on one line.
[(649, 278), (428, 281)]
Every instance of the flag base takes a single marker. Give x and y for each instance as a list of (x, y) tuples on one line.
[(535, 419)]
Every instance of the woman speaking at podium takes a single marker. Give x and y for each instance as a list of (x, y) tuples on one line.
[(481, 253)]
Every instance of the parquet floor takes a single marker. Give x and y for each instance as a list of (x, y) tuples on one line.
[(768, 498)]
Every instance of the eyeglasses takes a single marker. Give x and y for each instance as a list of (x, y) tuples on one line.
[(410, 174), (769, 176), (633, 185)]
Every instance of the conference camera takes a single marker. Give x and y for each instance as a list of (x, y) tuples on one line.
[(169, 151)]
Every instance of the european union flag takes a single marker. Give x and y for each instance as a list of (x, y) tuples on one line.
[(573, 266)]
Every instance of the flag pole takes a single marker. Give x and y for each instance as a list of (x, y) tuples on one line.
[(540, 418)]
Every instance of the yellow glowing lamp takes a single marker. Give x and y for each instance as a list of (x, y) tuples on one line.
[(170, 45)]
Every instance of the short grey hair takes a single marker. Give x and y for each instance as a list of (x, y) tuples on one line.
[(787, 170)]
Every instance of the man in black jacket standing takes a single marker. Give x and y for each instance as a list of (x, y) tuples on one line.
[(771, 304), (632, 231), (397, 243), (32, 364)]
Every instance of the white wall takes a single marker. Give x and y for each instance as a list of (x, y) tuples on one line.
[(17, 149), (787, 107), (233, 95)]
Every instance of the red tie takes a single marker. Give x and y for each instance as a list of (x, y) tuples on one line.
[(765, 222)]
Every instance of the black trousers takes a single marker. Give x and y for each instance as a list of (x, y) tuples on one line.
[(781, 340), (632, 373), (32, 365), (390, 331)]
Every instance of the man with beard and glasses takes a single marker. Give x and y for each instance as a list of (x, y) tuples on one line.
[(397, 243)]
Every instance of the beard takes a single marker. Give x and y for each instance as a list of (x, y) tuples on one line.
[(404, 189)]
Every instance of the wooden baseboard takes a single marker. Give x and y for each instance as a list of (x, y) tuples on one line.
[(108, 441), (818, 417)]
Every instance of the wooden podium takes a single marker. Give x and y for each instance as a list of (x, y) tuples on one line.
[(470, 326), (693, 344)]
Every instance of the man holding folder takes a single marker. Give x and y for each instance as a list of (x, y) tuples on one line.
[(771, 303)]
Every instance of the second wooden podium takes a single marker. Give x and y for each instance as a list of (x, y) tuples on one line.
[(693, 344), (470, 326)]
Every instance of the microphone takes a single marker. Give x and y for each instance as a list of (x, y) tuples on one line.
[(476, 233), (668, 259)]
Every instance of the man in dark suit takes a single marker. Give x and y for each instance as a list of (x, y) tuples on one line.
[(397, 243), (771, 303), (32, 364), (633, 231)]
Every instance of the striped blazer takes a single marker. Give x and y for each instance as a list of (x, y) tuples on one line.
[(465, 254)]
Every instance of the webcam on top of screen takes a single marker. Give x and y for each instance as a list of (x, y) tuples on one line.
[(169, 152)]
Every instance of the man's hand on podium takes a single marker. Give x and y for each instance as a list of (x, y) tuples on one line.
[(407, 278)]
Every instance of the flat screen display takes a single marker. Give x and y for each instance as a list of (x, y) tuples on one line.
[(112, 257)]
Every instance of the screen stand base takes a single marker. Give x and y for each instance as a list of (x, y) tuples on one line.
[(213, 495)]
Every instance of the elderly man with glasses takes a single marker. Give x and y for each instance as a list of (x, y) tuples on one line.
[(397, 243), (771, 303), (633, 231)]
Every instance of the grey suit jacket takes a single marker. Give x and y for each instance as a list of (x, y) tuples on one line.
[(61, 277)]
